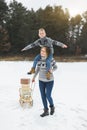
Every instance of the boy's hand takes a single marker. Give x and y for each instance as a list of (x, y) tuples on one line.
[(50, 70), (65, 46), (23, 50)]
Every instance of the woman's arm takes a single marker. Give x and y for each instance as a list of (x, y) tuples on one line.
[(36, 72)]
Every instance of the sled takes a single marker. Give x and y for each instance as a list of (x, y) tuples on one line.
[(25, 93)]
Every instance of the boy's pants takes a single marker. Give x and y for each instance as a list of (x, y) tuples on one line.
[(48, 61)]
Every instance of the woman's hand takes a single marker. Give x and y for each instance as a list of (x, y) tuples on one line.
[(33, 80)]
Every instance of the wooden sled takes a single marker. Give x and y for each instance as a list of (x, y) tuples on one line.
[(25, 93)]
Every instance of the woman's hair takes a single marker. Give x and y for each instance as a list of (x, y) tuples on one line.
[(48, 51)]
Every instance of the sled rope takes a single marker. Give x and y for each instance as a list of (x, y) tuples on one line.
[(33, 87)]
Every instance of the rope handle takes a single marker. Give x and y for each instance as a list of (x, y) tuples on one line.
[(32, 86)]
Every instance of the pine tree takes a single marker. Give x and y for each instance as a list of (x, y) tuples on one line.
[(4, 40)]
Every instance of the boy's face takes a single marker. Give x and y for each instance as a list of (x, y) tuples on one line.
[(42, 33)]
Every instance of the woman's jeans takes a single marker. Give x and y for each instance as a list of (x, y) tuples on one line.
[(48, 61), (46, 90)]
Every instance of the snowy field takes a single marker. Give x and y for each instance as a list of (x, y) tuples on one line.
[(69, 94)]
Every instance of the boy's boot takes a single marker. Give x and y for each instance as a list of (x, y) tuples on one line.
[(48, 74), (31, 71), (45, 113), (52, 110)]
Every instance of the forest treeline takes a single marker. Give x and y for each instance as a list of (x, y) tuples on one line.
[(19, 27)]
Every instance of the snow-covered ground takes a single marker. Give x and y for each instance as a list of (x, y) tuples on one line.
[(69, 94)]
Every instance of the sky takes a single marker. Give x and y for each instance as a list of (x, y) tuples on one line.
[(74, 6)]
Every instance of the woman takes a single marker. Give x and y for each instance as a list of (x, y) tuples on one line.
[(45, 85)]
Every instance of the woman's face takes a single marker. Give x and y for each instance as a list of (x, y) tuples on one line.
[(43, 52)]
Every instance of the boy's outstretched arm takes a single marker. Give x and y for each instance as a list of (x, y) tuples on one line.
[(32, 45), (57, 43), (36, 72), (27, 47)]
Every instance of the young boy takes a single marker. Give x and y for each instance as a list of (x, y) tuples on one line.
[(43, 41)]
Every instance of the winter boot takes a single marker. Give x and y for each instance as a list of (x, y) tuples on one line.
[(52, 110), (45, 113), (31, 71), (48, 75)]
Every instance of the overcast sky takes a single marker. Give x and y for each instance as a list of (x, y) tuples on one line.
[(74, 6)]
